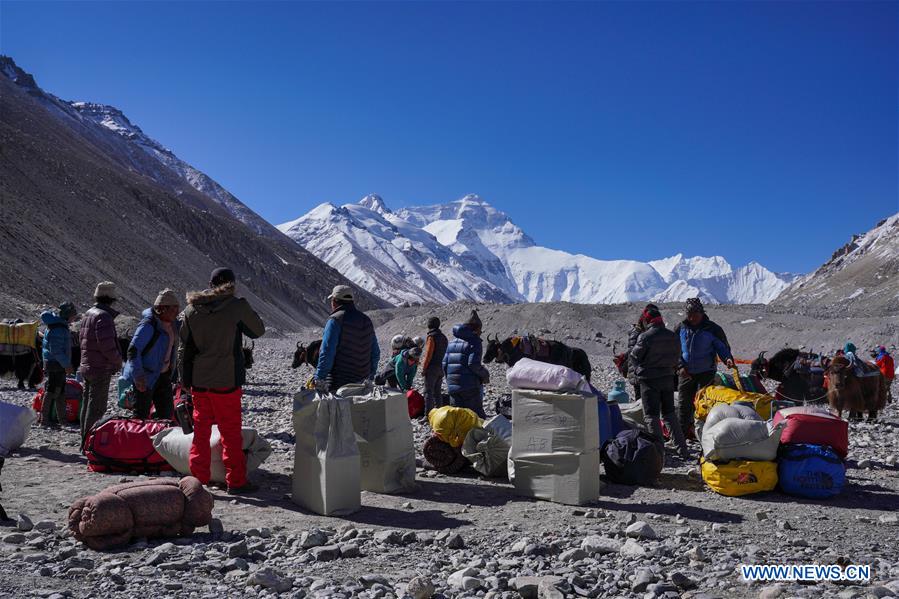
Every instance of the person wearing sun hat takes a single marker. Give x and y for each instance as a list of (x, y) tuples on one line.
[(152, 357), (211, 363), (349, 352), (100, 354)]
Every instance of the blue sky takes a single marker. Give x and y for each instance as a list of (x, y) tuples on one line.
[(755, 130)]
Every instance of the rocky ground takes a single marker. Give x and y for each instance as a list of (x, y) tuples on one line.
[(460, 536)]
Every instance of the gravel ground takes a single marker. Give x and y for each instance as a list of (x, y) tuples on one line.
[(464, 535)]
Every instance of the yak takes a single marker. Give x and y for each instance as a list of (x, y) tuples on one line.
[(859, 387), (306, 354), (513, 349), (26, 366), (800, 374)]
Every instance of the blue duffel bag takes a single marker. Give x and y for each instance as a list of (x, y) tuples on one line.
[(813, 471)]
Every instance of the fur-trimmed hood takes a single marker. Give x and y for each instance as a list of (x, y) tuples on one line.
[(211, 300)]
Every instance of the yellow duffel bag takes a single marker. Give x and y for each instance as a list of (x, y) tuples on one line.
[(22, 333), (452, 424), (739, 477), (708, 397)]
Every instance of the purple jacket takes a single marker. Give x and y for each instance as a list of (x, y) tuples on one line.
[(100, 355)]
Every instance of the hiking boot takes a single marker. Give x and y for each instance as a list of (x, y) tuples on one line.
[(246, 489)]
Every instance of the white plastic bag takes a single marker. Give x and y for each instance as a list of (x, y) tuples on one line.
[(487, 451), (326, 467), (15, 424), (532, 374), (174, 446), (739, 439)]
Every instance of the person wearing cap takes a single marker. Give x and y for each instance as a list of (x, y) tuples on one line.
[(465, 373), (349, 352), (653, 361), (701, 341), (100, 355), (432, 365), (406, 367), (152, 357), (57, 357), (211, 364)]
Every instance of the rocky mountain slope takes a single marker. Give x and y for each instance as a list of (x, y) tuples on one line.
[(862, 277), (469, 250), (80, 201)]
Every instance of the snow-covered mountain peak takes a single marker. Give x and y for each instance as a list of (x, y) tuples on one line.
[(375, 203), (472, 237)]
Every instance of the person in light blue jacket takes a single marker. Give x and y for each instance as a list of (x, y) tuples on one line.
[(152, 357), (57, 357)]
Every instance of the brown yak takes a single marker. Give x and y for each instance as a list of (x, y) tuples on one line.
[(848, 391)]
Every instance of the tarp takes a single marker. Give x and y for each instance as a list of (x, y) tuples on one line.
[(174, 446), (707, 397), (452, 424), (23, 333), (555, 446), (326, 466)]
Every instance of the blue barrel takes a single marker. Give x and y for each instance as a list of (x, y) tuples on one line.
[(619, 393)]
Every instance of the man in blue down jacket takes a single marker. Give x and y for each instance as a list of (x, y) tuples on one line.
[(152, 357), (465, 374), (701, 340)]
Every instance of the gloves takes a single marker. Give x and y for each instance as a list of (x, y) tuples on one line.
[(320, 385)]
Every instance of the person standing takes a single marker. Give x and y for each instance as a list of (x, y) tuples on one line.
[(152, 357), (432, 365), (211, 363), (465, 373), (636, 329), (100, 355), (57, 357), (654, 360), (349, 352), (701, 340), (887, 367)]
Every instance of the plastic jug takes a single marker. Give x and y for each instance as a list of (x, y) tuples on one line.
[(619, 394)]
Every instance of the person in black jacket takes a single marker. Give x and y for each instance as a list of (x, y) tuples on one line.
[(654, 360)]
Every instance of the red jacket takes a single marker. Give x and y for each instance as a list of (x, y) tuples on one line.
[(885, 362), (100, 354)]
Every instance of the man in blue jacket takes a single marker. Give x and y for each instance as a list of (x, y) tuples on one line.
[(152, 356), (701, 340), (57, 356), (349, 352), (465, 373)]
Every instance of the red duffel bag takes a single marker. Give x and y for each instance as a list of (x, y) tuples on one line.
[(816, 428), (74, 392), (125, 445), (416, 403)]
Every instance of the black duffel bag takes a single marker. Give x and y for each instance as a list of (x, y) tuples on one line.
[(633, 457)]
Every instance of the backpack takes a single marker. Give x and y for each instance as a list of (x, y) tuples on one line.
[(125, 445), (814, 471), (633, 457)]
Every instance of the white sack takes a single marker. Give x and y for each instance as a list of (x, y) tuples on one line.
[(15, 424), (738, 439), (326, 466), (532, 374), (738, 410), (487, 451), (500, 426), (174, 446), (385, 440)]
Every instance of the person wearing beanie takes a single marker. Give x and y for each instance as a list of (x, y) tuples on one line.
[(100, 355), (210, 360), (57, 357), (653, 361), (405, 367), (432, 365), (636, 329), (152, 356), (463, 367), (349, 352), (701, 341), (887, 367)]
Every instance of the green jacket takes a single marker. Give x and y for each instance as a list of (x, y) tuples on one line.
[(405, 372)]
